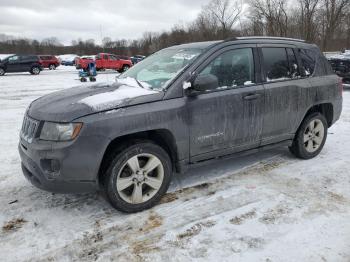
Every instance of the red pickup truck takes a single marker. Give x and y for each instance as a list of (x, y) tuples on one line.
[(105, 61)]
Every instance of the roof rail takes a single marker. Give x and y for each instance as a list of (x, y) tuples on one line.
[(266, 37)]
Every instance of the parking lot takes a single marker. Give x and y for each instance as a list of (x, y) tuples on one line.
[(264, 207)]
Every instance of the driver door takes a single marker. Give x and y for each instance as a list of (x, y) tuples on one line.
[(13, 64), (229, 117)]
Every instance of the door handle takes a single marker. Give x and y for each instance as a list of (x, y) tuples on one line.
[(251, 96)]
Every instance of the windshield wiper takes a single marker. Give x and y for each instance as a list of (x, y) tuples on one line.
[(138, 82)]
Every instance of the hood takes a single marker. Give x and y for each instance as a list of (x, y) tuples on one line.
[(72, 103)]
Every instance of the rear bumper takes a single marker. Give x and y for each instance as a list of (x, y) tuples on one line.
[(337, 109), (37, 176)]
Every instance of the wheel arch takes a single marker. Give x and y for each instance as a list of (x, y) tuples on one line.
[(162, 137), (326, 109)]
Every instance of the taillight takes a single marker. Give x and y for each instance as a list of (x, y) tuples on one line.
[(341, 86)]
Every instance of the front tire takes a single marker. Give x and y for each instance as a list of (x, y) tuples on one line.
[(137, 177), (2, 72), (52, 67), (310, 137)]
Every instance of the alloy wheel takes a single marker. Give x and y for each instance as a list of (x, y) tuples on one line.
[(36, 70), (313, 135), (140, 178)]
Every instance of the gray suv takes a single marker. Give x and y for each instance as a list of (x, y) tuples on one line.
[(178, 107)]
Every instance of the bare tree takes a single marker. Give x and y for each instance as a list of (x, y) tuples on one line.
[(308, 24), (273, 13), (224, 13), (333, 13)]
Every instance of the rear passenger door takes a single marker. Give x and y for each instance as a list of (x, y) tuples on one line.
[(26, 62), (228, 118), (283, 84)]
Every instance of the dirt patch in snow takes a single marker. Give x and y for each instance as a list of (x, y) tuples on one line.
[(144, 246), (169, 197), (196, 229), (274, 215), (238, 220), (154, 220), (246, 242), (13, 225)]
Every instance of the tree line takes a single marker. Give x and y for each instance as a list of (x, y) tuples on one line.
[(324, 22)]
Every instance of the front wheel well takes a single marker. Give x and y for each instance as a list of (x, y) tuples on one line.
[(325, 109), (161, 137)]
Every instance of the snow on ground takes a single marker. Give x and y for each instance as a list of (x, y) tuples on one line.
[(3, 56), (265, 207)]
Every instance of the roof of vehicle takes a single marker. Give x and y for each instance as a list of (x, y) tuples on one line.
[(199, 45), (248, 39), (268, 38)]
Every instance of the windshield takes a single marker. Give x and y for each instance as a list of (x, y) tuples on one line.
[(159, 69)]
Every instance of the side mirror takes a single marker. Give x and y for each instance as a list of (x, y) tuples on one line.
[(205, 82)]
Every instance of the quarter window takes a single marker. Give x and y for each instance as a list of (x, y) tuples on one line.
[(232, 68)]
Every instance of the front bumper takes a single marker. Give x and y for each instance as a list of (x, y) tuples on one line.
[(63, 167), (37, 178)]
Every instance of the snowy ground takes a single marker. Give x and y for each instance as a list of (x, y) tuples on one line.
[(264, 207)]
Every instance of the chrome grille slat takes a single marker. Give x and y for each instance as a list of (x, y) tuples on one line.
[(29, 128)]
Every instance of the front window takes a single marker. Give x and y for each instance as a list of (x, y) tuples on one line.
[(13, 58), (158, 70), (233, 68)]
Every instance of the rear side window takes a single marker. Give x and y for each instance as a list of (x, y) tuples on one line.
[(293, 64), (29, 58), (308, 61), (276, 64)]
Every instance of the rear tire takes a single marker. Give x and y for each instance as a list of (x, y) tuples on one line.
[(52, 67), (137, 177), (2, 72), (35, 70), (310, 137)]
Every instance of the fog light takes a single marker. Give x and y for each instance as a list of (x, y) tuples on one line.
[(51, 167)]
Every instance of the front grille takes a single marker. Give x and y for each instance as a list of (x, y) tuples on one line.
[(29, 129)]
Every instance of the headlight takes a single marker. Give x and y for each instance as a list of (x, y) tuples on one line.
[(60, 132)]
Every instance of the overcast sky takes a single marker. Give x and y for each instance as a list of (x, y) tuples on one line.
[(72, 19)]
